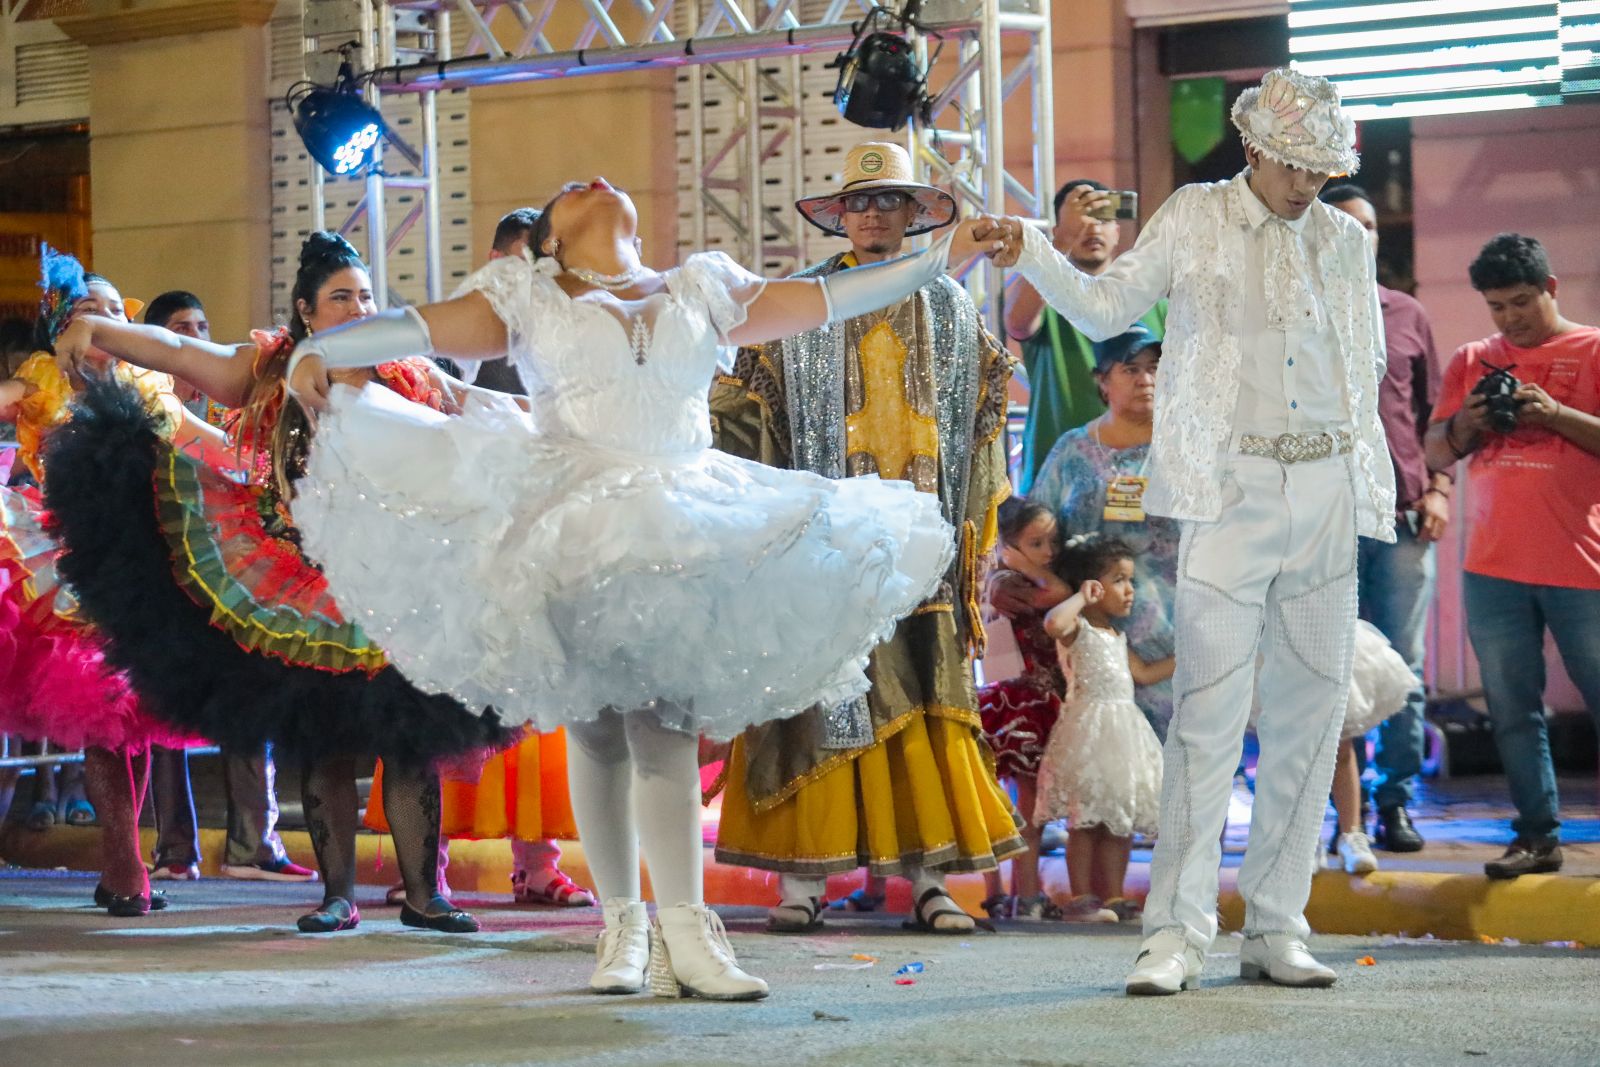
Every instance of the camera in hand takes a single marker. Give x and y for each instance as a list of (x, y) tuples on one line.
[(1498, 389)]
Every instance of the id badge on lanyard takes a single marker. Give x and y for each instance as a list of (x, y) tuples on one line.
[(1125, 498)]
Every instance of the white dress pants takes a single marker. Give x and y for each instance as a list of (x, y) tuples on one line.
[(1274, 575)]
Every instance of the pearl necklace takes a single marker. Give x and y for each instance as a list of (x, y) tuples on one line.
[(609, 282)]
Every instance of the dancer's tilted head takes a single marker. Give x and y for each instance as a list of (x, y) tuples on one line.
[(583, 221)]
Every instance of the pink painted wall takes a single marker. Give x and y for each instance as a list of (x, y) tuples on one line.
[(1533, 172)]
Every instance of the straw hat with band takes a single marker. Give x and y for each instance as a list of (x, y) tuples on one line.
[(880, 166)]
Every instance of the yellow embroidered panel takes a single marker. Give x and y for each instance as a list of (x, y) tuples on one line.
[(887, 427)]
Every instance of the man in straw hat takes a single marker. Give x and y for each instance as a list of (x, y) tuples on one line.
[(896, 781), (1268, 447)]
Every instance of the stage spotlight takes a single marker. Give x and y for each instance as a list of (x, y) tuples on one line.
[(879, 85), (339, 128)]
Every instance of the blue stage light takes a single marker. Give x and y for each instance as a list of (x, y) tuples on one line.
[(339, 128)]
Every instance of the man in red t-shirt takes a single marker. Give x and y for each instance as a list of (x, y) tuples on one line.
[(1533, 540)]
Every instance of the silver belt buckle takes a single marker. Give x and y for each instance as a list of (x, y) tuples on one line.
[(1286, 447)]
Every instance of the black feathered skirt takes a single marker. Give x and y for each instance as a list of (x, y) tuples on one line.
[(226, 631)]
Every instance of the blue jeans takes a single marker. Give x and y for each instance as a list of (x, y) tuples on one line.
[(1396, 586), (1506, 621)]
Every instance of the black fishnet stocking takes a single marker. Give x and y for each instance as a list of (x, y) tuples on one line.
[(328, 791)]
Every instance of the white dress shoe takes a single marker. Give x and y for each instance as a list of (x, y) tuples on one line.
[(1355, 852), (1284, 959), (690, 957), (623, 955), (1167, 964)]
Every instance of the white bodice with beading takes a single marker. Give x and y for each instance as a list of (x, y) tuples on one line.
[(599, 553), (1102, 764)]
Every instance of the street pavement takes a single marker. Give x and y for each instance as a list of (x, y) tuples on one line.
[(222, 978)]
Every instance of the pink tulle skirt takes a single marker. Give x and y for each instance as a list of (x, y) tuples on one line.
[(54, 681)]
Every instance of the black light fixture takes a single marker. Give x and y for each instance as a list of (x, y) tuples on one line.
[(880, 85), (337, 126)]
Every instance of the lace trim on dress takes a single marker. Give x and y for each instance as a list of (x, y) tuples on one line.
[(726, 289)]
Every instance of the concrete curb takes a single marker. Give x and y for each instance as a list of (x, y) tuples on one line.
[(1533, 909)]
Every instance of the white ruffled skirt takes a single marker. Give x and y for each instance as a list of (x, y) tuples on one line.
[(1380, 681), (553, 579), (1102, 766)]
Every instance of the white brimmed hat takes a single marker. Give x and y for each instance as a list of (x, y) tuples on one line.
[(1296, 119), (875, 166)]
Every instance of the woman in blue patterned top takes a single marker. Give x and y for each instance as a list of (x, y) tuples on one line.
[(1094, 478)]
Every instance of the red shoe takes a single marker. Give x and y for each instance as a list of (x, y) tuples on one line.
[(557, 891), (176, 872), (280, 871)]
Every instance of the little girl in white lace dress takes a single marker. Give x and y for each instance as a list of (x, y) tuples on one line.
[(1101, 768)]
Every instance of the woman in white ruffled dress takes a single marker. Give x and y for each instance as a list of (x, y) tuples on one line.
[(592, 563)]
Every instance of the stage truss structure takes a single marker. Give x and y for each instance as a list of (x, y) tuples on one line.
[(994, 74)]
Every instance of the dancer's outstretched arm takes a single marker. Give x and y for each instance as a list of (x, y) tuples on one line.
[(1101, 305), (222, 372), (468, 328), (794, 305)]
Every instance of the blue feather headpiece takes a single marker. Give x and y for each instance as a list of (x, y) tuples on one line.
[(62, 284)]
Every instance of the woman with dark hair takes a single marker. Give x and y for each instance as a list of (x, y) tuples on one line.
[(54, 681), (206, 600)]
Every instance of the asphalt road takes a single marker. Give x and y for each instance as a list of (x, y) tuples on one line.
[(222, 978)]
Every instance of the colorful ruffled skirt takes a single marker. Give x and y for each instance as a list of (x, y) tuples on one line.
[(55, 683), (224, 627)]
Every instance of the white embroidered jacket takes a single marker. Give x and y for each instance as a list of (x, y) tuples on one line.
[(1193, 252)]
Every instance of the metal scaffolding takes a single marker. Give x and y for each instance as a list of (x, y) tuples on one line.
[(753, 47)]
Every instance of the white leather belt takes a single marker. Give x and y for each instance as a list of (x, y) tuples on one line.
[(1298, 447)]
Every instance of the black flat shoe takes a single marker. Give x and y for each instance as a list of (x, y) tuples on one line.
[(441, 916), (128, 907), (1394, 832), (1524, 857), (335, 914)]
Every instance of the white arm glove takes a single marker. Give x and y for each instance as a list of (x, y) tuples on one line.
[(856, 291), (368, 342)]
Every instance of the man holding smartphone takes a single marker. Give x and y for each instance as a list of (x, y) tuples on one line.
[(1056, 356)]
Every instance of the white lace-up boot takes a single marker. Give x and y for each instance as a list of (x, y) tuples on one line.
[(690, 957), (623, 955)]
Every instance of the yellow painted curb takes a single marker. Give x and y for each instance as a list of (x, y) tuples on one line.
[(1532, 909)]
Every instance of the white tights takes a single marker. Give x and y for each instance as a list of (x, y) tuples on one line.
[(635, 780)]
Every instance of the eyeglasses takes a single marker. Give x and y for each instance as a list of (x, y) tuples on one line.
[(888, 201)]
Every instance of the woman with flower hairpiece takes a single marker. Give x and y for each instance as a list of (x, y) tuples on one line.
[(55, 682), (199, 585)]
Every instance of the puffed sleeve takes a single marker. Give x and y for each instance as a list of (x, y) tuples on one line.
[(726, 289)]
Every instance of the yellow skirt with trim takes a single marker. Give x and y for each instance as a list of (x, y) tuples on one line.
[(521, 794), (923, 796)]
